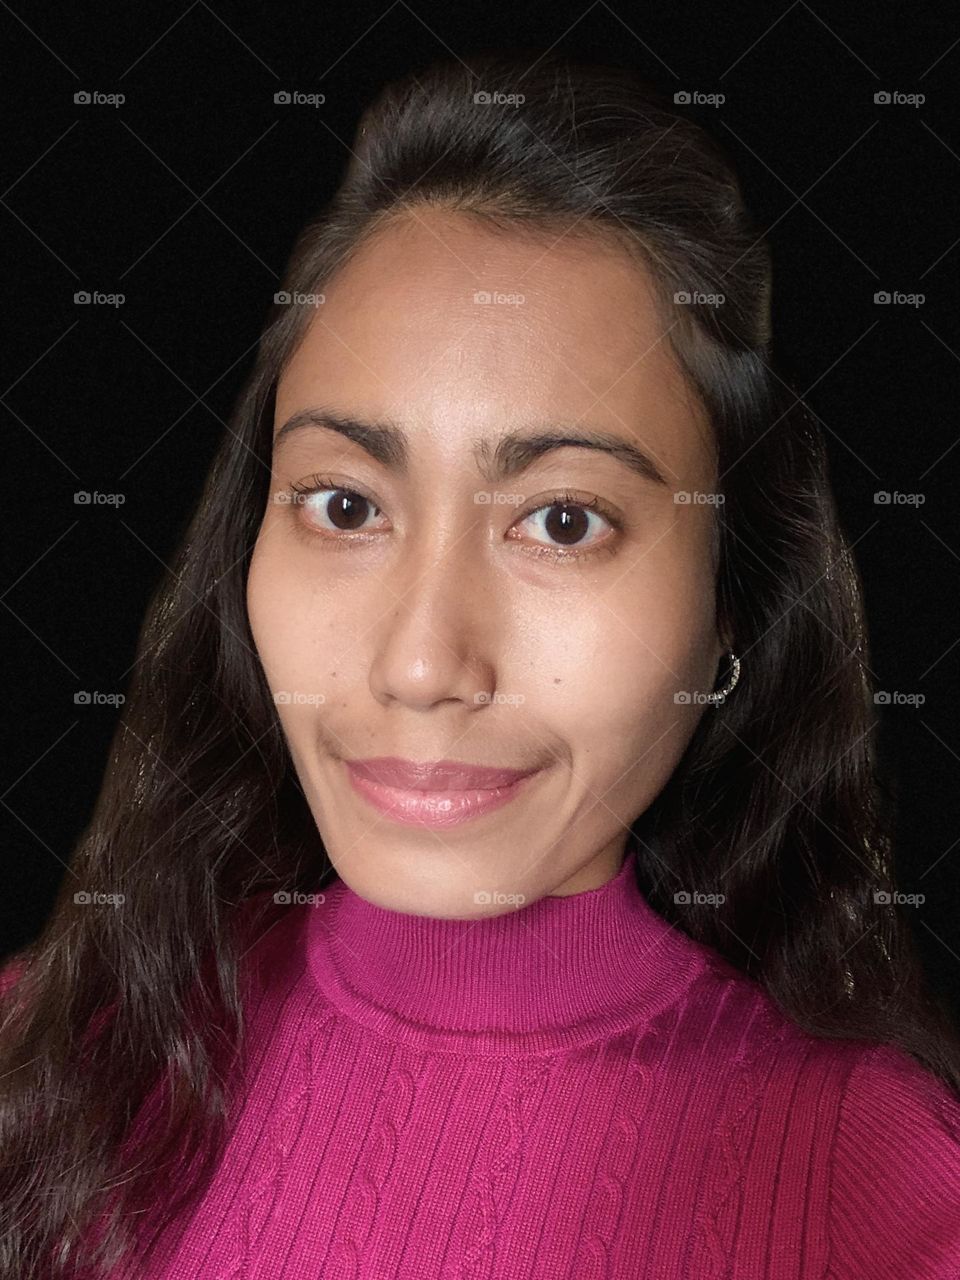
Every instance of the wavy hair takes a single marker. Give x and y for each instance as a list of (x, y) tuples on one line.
[(779, 800)]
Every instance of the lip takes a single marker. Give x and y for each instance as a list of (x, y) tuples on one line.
[(435, 775), (438, 793)]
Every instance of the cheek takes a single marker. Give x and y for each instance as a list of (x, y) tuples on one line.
[(316, 632), (612, 664), (283, 611), (269, 592), (633, 643), (607, 674)]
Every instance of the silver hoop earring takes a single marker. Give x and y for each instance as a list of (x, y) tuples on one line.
[(719, 696)]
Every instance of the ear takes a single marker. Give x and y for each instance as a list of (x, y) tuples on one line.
[(724, 635)]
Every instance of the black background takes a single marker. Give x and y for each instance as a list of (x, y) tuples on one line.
[(187, 197)]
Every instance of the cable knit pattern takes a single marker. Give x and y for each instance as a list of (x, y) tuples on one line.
[(728, 1158), (573, 1090), (622, 1146), (262, 1201), (398, 1098)]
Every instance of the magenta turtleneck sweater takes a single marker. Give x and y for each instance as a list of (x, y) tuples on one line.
[(572, 1090)]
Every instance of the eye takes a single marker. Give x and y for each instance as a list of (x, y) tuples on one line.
[(333, 509), (572, 525)]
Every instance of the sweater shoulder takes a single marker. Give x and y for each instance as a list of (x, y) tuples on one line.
[(878, 1092), (877, 1131), (746, 1024), (895, 1184), (887, 1084)]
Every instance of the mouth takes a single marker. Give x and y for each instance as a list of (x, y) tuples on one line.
[(443, 793)]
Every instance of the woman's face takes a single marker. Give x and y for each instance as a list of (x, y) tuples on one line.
[(441, 597)]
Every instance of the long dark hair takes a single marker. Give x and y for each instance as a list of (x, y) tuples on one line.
[(778, 802)]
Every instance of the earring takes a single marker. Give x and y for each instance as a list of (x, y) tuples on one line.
[(719, 696)]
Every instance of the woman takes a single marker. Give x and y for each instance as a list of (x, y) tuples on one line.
[(491, 875)]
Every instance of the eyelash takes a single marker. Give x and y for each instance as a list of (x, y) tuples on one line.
[(319, 483)]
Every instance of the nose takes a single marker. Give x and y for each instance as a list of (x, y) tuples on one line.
[(435, 644)]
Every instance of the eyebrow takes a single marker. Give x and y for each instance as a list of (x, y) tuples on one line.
[(512, 454)]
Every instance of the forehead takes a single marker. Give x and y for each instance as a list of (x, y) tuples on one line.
[(456, 328)]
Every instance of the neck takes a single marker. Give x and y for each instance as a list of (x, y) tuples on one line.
[(552, 974)]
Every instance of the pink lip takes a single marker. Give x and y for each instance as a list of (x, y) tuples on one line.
[(435, 775), (440, 793)]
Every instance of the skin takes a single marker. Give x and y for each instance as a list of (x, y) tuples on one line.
[(385, 635)]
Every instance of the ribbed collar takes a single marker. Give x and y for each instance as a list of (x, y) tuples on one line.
[(551, 975)]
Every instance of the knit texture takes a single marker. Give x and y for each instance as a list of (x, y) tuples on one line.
[(570, 1089)]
